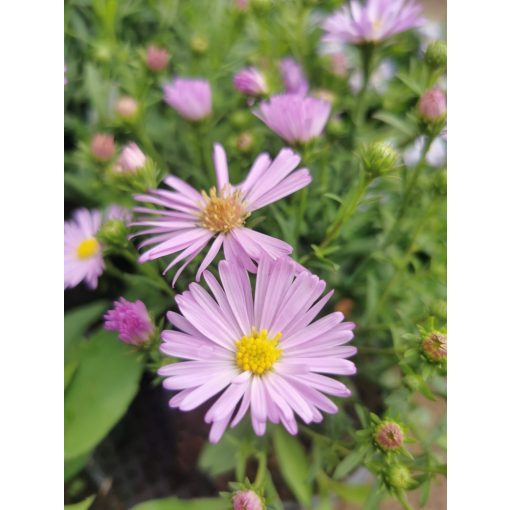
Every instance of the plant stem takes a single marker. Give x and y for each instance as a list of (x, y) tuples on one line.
[(367, 53), (262, 468)]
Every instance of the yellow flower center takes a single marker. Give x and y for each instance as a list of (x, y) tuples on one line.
[(223, 214), (87, 248), (258, 353)]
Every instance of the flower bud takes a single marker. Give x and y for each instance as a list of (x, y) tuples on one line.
[(199, 44), (432, 105), (131, 320), (131, 159), (399, 477), (247, 500), (389, 436), (102, 146), (435, 55), (378, 158), (338, 64), (245, 141), (240, 118), (250, 81), (113, 233), (345, 306), (434, 347), (241, 5), (156, 58), (126, 107)]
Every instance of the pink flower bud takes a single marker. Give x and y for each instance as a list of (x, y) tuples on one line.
[(247, 500), (338, 64), (434, 347), (157, 58), (389, 436), (126, 107), (191, 98), (250, 81), (432, 105), (241, 5), (131, 158), (131, 320), (102, 146)]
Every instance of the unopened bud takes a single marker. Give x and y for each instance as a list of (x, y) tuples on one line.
[(126, 107), (113, 233), (435, 55), (131, 159), (432, 105), (245, 141), (102, 146), (345, 306), (434, 347), (399, 477), (156, 58), (240, 118), (199, 44), (247, 500), (338, 64), (378, 158), (389, 436)]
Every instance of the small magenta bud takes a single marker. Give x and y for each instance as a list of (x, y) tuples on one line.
[(126, 107), (434, 347), (199, 44), (131, 320), (131, 159), (245, 141), (389, 436), (247, 500), (156, 58), (432, 105), (399, 477), (378, 158), (436, 54), (102, 146)]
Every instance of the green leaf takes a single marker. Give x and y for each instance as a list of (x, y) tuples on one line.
[(351, 492), (69, 371), (104, 385), (352, 460), (273, 497), (82, 505), (78, 320), (396, 122), (216, 459), (424, 493), (74, 466), (293, 464), (183, 504)]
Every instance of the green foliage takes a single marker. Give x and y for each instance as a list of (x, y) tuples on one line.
[(183, 504), (82, 505)]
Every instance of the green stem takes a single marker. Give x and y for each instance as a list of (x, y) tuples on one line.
[(367, 53), (403, 501), (262, 469)]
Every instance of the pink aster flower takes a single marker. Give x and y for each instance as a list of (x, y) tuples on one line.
[(250, 81), (261, 350), (131, 158), (189, 219), (374, 21), (131, 320), (191, 98), (293, 117), (83, 260), (247, 500), (293, 77)]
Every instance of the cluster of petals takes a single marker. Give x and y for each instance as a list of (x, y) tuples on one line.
[(207, 333), (191, 98), (293, 117), (373, 21), (250, 81), (180, 224), (293, 77)]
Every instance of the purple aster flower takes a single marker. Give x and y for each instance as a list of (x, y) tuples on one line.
[(293, 117), (371, 22), (83, 260), (131, 320), (190, 97), (131, 158), (250, 81), (293, 77), (261, 349), (189, 219)]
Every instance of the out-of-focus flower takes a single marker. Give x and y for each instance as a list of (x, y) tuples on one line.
[(295, 118), (379, 78), (432, 105), (293, 77), (434, 346), (242, 5), (190, 97), (262, 348), (389, 436), (131, 159), (156, 58), (372, 22), (199, 44), (339, 64), (83, 260), (102, 146), (250, 81), (245, 141), (436, 155), (189, 220), (378, 158), (126, 107), (345, 306), (247, 500), (131, 320)]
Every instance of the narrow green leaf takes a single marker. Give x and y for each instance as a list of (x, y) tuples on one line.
[(352, 460), (424, 493), (396, 122), (293, 464), (82, 505), (69, 371), (183, 504)]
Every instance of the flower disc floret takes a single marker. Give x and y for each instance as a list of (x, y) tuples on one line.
[(257, 353), (88, 248), (223, 213)]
